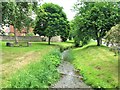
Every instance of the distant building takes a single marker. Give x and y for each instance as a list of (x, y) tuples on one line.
[(22, 32)]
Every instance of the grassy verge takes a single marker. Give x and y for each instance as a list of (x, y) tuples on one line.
[(16, 58), (98, 65), (40, 74)]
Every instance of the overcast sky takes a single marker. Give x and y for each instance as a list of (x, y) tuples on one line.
[(66, 4)]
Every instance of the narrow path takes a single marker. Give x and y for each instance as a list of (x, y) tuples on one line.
[(69, 78)]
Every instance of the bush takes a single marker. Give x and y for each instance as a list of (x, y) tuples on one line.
[(40, 74), (30, 34), (11, 34)]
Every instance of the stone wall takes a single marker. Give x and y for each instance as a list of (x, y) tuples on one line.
[(55, 39), (30, 38)]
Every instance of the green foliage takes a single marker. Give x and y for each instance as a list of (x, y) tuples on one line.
[(51, 21), (40, 74), (94, 19), (80, 31), (18, 14), (72, 30), (30, 34), (11, 34), (113, 38), (76, 41)]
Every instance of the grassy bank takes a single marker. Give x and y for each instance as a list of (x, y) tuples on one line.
[(17, 58), (40, 74), (98, 65)]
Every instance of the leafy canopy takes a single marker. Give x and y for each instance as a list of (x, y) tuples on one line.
[(94, 19), (51, 21)]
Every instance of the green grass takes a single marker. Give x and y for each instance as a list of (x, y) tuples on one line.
[(40, 74), (98, 65), (64, 44), (11, 53), (16, 58)]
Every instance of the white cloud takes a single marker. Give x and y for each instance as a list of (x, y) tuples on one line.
[(66, 4)]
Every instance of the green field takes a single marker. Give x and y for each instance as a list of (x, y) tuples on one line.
[(98, 65)]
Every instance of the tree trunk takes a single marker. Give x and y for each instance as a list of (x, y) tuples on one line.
[(107, 44), (16, 40), (27, 30), (98, 41), (49, 40), (70, 38)]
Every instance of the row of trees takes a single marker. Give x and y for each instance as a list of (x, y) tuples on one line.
[(50, 21), (94, 20)]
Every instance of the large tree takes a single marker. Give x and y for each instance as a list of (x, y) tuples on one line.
[(16, 14), (51, 21), (96, 18)]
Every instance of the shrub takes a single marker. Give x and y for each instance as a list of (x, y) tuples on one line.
[(40, 74), (11, 34), (30, 34)]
